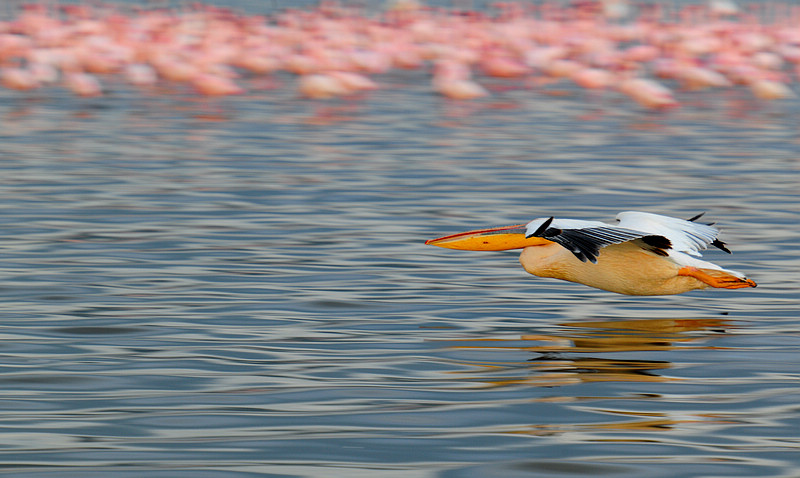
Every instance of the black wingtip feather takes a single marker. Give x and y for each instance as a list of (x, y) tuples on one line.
[(541, 229), (720, 245), (698, 217), (582, 247), (659, 242)]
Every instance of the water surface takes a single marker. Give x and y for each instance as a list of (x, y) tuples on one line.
[(239, 287)]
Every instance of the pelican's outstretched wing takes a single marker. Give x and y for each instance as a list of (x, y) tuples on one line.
[(685, 236), (586, 238), (657, 233)]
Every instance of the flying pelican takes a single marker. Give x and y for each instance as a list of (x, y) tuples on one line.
[(643, 254)]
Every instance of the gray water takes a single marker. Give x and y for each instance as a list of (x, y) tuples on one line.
[(239, 287)]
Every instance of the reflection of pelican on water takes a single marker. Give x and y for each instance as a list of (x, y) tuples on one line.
[(556, 365), (644, 254), (575, 354), (571, 356)]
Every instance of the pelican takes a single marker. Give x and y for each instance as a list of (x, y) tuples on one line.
[(643, 254)]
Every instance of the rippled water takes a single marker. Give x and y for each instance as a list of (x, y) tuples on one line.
[(239, 287)]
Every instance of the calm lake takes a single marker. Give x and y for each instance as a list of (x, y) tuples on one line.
[(239, 286)]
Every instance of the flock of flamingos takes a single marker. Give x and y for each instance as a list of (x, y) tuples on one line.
[(651, 53)]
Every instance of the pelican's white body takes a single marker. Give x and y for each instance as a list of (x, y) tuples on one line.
[(629, 267)]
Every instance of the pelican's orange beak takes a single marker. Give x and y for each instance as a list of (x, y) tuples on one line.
[(494, 239)]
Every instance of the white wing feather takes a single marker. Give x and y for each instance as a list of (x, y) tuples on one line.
[(564, 224), (685, 236)]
